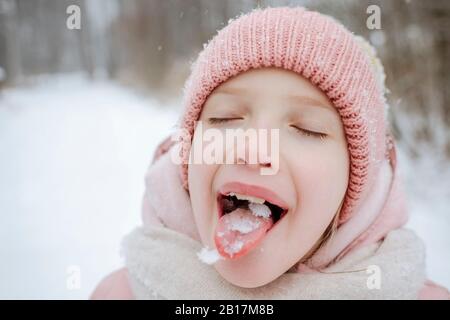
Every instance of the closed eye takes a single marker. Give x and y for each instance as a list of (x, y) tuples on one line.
[(310, 133), (223, 120)]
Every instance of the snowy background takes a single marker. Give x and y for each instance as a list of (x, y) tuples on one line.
[(72, 164), (73, 157)]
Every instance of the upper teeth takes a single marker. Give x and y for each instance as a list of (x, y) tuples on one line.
[(248, 198)]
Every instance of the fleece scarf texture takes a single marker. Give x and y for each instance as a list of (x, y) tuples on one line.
[(162, 264)]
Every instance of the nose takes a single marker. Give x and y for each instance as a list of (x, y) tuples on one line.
[(266, 163), (253, 154)]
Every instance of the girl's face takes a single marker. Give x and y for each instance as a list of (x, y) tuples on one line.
[(311, 178)]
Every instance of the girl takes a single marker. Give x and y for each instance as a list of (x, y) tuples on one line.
[(326, 222)]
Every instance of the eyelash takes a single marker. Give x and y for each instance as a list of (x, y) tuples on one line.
[(221, 120), (302, 131), (309, 133)]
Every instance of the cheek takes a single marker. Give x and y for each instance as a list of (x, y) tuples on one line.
[(320, 171), (321, 178), (200, 177)]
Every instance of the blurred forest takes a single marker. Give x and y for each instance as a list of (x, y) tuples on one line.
[(150, 44)]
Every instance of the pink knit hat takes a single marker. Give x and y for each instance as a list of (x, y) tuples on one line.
[(320, 49)]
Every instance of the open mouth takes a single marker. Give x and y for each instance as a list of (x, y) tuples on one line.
[(244, 220), (232, 201)]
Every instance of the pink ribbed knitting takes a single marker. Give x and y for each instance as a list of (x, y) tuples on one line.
[(321, 50)]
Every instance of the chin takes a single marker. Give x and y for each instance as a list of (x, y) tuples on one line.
[(248, 274)]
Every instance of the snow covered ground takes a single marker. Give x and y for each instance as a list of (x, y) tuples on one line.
[(72, 164), (73, 154)]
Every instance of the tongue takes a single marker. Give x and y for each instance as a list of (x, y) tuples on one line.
[(240, 231)]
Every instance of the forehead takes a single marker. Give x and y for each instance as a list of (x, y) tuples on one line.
[(272, 83)]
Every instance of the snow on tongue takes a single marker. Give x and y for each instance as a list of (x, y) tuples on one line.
[(241, 230)]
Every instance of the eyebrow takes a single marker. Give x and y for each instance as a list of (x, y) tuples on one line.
[(230, 90), (309, 101), (296, 98)]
